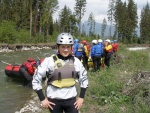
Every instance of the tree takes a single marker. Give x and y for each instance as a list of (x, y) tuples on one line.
[(132, 19), (120, 16), (79, 12), (144, 24), (125, 17), (103, 27), (30, 18), (67, 20), (91, 23), (110, 14), (83, 30), (47, 9), (35, 18)]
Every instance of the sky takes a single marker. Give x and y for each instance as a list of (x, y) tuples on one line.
[(99, 8)]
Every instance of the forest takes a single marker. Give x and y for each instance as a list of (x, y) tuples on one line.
[(31, 21)]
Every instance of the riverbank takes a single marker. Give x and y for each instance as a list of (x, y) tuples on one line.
[(24, 47)]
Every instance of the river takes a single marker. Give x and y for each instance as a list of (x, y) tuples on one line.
[(13, 95)]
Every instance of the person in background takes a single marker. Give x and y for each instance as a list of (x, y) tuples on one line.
[(27, 69), (108, 52), (78, 50), (115, 46), (92, 52), (100, 42), (97, 51), (85, 55), (63, 71), (88, 47)]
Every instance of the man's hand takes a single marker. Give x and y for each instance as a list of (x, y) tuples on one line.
[(79, 102), (45, 103)]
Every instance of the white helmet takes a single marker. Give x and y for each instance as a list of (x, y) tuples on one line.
[(94, 41), (65, 38), (108, 40), (100, 40)]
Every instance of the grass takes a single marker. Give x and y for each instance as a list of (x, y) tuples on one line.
[(105, 95)]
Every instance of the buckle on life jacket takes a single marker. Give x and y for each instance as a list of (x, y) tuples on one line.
[(59, 76)]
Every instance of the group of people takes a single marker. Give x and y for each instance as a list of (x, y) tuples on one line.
[(99, 52), (65, 69)]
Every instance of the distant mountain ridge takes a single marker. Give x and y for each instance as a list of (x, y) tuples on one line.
[(107, 32)]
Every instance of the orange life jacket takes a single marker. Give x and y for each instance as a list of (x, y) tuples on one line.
[(115, 47)]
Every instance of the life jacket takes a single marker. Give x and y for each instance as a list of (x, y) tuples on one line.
[(29, 64), (88, 48), (109, 49), (80, 47), (64, 74), (86, 52), (115, 47), (98, 50)]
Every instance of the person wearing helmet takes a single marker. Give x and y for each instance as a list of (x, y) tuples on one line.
[(115, 46), (108, 52), (85, 54), (78, 50), (76, 40), (92, 52), (63, 71), (97, 52), (94, 42), (27, 70), (101, 53)]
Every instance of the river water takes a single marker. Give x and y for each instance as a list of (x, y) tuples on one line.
[(13, 95)]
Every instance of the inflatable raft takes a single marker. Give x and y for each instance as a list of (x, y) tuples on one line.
[(13, 71)]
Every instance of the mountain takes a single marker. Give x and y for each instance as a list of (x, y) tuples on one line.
[(106, 34)]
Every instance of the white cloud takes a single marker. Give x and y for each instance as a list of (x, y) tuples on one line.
[(99, 8)]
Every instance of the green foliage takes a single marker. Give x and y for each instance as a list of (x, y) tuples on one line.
[(144, 24), (106, 88), (80, 9), (8, 32), (67, 20), (105, 91), (125, 16)]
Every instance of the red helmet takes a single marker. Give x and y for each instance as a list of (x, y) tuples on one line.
[(84, 42)]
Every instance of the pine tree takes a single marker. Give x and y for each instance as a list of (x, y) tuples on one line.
[(47, 8), (67, 20), (83, 30), (79, 12), (103, 27), (132, 19), (119, 17), (110, 14), (145, 24), (91, 23)]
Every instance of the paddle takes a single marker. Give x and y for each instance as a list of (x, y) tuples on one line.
[(5, 63)]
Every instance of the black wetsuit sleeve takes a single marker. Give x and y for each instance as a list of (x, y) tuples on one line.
[(40, 95), (82, 92)]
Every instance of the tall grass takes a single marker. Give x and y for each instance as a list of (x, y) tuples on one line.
[(105, 95)]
